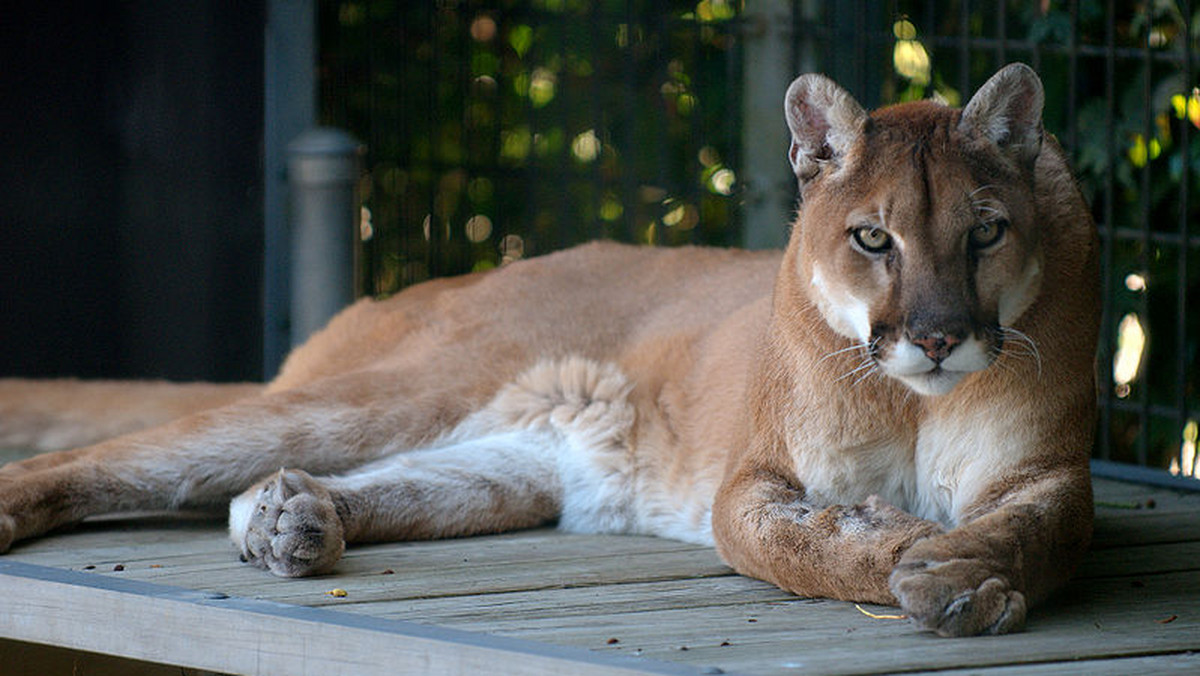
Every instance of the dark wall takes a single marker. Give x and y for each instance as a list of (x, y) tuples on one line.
[(130, 189)]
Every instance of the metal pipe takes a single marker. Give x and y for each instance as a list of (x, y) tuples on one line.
[(323, 170)]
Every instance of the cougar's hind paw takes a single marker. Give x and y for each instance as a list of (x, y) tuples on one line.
[(288, 525)]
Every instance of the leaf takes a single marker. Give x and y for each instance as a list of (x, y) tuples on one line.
[(521, 39)]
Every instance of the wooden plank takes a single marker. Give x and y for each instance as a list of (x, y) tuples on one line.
[(512, 562), (125, 542), (1141, 560), (1181, 663), (579, 570), (209, 631), (704, 595), (1146, 527), (618, 610), (1123, 495), (1148, 476), (129, 540), (654, 596), (1095, 619)]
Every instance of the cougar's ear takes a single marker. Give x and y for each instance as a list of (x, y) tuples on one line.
[(1007, 110), (824, 120)]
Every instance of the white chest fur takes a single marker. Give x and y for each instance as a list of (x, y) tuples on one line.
[(934, 476)]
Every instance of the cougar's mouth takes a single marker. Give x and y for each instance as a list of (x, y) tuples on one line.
[(934, 382), (934, 375)]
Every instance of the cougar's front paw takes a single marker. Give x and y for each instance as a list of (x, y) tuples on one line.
[(288, 525), (19, 518), (8, 532), (957, 598)]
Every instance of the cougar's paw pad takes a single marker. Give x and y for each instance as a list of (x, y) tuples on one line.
[(937, 598), (288, 525)]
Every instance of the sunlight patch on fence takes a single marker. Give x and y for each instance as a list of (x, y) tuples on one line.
[(1185, 464), (1131, 342)]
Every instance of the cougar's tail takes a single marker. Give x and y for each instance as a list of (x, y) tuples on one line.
[(46, 415)]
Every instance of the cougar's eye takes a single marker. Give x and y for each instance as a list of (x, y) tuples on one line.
[(872, 239), (988, 233)]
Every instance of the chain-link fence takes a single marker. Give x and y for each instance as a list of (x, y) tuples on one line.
[(502, 130)]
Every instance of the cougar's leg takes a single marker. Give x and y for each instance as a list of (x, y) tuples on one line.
[(765, 528), (561, 423), (51, 415), (294, 524), (205, 459)]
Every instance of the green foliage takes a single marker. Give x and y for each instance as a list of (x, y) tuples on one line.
[(559, 121), (499, 130)]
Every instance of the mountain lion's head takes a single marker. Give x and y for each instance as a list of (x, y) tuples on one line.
[(917, 235)]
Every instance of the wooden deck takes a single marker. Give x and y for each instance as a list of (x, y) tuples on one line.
[(170, 591)]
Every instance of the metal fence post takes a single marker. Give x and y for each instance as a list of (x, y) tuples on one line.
[(769, 68), (323, 168)]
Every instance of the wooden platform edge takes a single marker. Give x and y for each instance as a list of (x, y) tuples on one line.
[(214, 632), (1146, 476)]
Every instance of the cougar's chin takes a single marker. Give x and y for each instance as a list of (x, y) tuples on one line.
[(933, 383)]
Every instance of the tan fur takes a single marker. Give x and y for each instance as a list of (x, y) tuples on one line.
[(908, 424), (57, 414)]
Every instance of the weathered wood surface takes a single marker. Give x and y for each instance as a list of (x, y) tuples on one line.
[(547, 602)]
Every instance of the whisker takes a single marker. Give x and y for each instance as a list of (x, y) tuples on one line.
[(873, 371), (1020, 345), (999, 363), (853, 348), (867, 364), (866, 368), (978, 190)]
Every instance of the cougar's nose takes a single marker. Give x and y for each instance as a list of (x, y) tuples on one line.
[(937, 346)]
